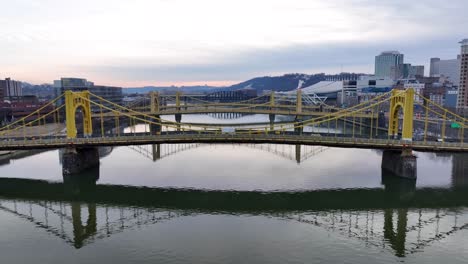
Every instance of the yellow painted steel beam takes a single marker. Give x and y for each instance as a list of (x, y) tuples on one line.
[(245, 138)]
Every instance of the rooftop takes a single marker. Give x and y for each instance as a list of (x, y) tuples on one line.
[(390, 52)]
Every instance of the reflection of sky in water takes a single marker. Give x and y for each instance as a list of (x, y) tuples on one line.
[(239, 167)]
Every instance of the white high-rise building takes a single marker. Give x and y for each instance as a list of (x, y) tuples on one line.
[(450, 69), (389, 64)]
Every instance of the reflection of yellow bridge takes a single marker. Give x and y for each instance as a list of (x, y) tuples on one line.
[(366, 216), (297, 153)]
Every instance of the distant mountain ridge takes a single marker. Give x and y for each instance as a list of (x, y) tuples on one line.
[(171, 89), (285, 82)]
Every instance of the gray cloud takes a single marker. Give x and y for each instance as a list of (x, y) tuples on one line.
[(299, 58)]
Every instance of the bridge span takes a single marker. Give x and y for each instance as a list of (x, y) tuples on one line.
[(362, 127), (259, 137)]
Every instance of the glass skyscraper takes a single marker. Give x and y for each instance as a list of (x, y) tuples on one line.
[(389, 64)]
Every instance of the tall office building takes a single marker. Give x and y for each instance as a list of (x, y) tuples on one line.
[(110, 93), (450, 69), (417, 70), (389, 64), (434, 67), (10, 89), (462, 102), (410, 71)]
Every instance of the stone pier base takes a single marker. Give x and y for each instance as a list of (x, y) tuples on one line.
[(400, 163), (398, 188), (298, 130), (77, 160), (178, 119), (272, 121), (155, 129)]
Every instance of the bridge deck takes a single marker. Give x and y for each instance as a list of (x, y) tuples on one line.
[(179, 137)]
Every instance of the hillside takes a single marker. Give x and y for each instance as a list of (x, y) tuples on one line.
[(286, 82)]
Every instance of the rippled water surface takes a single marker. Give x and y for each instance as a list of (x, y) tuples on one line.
[(199, 203)]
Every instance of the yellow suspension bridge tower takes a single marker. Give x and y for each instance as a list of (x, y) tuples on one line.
[(74, 101), (401, 100)]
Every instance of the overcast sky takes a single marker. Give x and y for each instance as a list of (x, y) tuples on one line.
[(218, 42)]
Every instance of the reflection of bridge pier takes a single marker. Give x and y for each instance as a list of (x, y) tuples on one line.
[(397, 187), (396, 239), (298, 154), (400, 163), (156, 149), (272, 121), (79, 183), (80, 232)]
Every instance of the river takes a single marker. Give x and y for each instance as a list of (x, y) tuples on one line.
[(201, 203)]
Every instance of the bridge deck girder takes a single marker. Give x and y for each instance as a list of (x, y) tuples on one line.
[(258, 138)]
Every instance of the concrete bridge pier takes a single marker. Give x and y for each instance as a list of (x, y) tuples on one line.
[(78, 160), (400, 163), (298, 130), (397, 188), (272, 121), (382, 120), (156, 128), (178, 119)]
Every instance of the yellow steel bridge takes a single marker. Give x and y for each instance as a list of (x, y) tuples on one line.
[(357, 127)]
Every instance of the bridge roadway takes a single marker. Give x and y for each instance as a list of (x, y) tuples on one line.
[(396, 194), (255, 137), (172, 110)]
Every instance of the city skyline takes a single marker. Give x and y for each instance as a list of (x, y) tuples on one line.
[(134, 44)]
